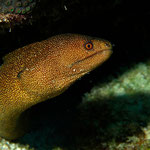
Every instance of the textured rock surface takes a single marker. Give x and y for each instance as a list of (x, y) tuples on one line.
[(117, 114), (6, 145)]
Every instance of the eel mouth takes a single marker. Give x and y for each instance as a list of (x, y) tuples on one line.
[(83, 71), (90, 56)]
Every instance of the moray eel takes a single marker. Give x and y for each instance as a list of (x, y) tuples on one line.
[(43, 70)]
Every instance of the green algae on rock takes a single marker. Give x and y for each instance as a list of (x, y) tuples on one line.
[(133, 81), (116, 115)]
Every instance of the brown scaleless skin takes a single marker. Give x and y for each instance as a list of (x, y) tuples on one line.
[(43, 70)]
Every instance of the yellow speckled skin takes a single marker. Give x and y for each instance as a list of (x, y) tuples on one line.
[(43, 70)]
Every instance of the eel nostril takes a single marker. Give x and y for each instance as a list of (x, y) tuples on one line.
[(107, 44)]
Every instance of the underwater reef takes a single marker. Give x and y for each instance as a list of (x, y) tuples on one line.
[(15, 10), (115, 114)]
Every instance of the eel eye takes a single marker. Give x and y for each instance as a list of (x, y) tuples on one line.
[(88, 45)]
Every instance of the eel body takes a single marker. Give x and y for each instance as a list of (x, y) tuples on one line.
[(43, 70)]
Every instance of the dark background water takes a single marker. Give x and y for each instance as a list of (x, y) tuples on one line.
[(124, 23)]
